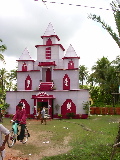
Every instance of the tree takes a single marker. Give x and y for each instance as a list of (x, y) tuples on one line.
[(12, 77), (100, 70), (116, 12), (7, 83), (83, 73), (2, 49), (91, 79), (3, 82), (105, 80), (116, 62)]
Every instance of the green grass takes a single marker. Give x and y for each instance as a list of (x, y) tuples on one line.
[(90, 139)]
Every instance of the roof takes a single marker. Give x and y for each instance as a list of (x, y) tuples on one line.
[(70, 52), (51, 45), (50, 30), (25, 55)]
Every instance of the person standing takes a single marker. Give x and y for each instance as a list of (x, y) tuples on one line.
[(6, 132), (20, 118), (43, 118)]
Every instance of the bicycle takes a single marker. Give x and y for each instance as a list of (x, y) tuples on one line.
[(14, 134)]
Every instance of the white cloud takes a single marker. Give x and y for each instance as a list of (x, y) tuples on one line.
[(23, 22), (10, 63)]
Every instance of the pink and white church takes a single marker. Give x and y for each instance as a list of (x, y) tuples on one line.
[(51, 81)]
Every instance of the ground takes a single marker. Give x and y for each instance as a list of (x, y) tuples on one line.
[(50, 148), (49, 152)]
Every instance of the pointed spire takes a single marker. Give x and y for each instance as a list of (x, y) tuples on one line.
[(50, 30), (25, 55), (70, 52)]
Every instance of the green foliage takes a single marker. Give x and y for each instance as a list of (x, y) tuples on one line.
[(83, 73), (60, 115), (4, 106), (84, 86), (116, 13), (116, 63), (2, 49), (86, 107), (98, 104), (70, 115), (7, 83), (105, 80)]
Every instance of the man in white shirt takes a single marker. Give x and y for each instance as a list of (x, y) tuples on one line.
[(43, 118), (6, 132)]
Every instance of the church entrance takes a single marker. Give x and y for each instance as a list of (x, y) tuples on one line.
[(43, 99), (40, 105)]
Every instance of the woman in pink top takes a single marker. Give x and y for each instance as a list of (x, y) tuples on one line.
[(20, 118)]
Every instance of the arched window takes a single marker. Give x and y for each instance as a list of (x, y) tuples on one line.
[(71, 65), (24, 67), (28, 83), (66, 82), (49, 42)]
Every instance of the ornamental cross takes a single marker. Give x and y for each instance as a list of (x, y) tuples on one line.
[(28, 83), (69, 106), (66, 82), (23, 105)]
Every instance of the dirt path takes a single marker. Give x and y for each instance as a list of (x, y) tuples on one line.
[(50, 149)]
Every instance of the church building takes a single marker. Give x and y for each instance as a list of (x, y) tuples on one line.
[(51, 81)]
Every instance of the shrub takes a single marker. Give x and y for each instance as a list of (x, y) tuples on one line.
[(70, 115)]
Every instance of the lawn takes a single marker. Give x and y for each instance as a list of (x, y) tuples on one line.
[(71, 139)]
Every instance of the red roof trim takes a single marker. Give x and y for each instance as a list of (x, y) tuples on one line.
[(65, 69), (30, 71), (42, 96), (51, 36), (26, 60), (51, 45), (70, 57), (47, 63), (52, 91)]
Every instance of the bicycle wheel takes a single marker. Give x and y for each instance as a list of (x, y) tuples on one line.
[(12, 139), (25, 136)]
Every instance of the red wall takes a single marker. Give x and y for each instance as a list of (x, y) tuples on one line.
[(105, 110)]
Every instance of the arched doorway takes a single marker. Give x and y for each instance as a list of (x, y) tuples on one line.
[(43, 99)]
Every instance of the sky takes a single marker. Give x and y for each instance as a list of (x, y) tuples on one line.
[(23, 22)]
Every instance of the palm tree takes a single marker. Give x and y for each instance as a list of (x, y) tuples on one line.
[(100, 70), (83, 73), (2, 49), (116, 12), (104, 76), (12, 77)]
